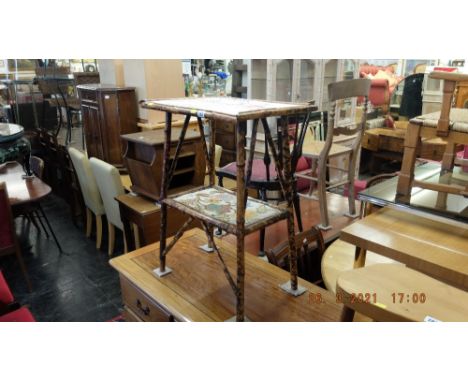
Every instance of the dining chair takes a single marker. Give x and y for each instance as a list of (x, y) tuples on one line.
[(450, 125), (110, 186), (90, 191), (320, 152), (8, 241), (34, 210)]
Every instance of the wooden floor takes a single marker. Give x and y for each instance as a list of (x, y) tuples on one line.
[(277, 233)]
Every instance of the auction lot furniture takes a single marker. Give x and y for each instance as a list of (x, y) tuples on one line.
[(451, 124), (144, 161), (197, 290), (321, 152), (218, 207), (391, 292), (434, 246), (107, 111)]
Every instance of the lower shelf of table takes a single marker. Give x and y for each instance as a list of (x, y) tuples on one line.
[(218, 206)]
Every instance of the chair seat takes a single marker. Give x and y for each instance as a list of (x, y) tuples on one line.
[(458, 120), (313, 149), (259, 173), (20, 315), (6, 297)]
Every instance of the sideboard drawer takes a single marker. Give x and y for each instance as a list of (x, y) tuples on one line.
[(136, 301)]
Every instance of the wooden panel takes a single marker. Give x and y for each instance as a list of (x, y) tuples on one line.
[(143, 307), (197, 289)]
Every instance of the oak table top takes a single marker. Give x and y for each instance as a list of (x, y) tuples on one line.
[(20, 190), (197, 289), (431, 246)]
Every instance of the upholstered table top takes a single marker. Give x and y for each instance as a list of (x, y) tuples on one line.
[(458, 120)]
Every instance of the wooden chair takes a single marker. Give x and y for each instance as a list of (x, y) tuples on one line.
[(391, 292), (320, 152), (34, 211), (451, 125), (307, 242), (8, 241), (263, 176), (110, 185), (90, 191)]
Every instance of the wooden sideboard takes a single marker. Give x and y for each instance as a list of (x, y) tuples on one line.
[(108, 111), (197, 289)]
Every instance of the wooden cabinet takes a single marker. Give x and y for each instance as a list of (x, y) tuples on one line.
[(108, 111), (144, 161)]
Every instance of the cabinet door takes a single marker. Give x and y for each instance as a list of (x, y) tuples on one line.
[(110, 128), (92, 131)]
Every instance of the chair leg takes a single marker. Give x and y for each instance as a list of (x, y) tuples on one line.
[(136, 235), (351, 190), (347, 315), (263, 196), (125, 242), (405, 178), (30, 217), (448, 159), (98, 231), (322, 196), (50, 227), (89, 222), (19, 256), (41, 223), (111, 234)]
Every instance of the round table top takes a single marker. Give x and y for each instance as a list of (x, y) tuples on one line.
[(339, 258), (10, 132), (20, 190)]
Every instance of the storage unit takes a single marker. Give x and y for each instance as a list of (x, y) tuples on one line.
[(107, 111), (144, 161)]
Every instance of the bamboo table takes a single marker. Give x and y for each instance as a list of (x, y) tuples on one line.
[(218, 207)]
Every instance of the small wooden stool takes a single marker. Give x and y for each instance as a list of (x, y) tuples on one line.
[(391, 292), (451, 124)]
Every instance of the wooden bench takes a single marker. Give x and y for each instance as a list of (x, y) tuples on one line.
[(391, 292)]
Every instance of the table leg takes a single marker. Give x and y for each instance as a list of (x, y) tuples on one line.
[(163, 270), (359, 257), (240, 220)]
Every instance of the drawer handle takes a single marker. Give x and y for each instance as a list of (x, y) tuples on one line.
[(146, 311)]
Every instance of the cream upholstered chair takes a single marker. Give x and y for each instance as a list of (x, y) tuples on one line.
[(90, 191), (109, 185)]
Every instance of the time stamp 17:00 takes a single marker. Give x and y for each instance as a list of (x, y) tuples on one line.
[(371, 298)]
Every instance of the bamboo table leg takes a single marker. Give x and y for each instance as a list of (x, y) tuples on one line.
[(163, 270), (291, 286), (240, 230)]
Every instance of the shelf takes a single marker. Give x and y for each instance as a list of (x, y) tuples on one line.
[(218, 206)]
